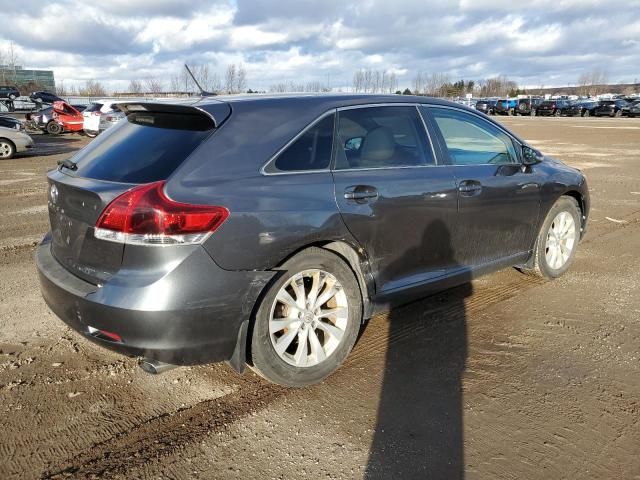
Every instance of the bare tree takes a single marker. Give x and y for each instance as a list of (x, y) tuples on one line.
[(92, 88), (241, 79), (230, 79), (153, 85), (135, 86)]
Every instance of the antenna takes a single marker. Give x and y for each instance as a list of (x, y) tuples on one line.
[(203, 92)]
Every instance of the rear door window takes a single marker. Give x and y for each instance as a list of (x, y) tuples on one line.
[(380, 137), (147, 147)]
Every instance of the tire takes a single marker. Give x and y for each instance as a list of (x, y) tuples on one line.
[(557, 113), (541, 262), (7, 149), (618, 114), (90, 135), (586, 113), (288, 366), (12, 96), (54, 128)]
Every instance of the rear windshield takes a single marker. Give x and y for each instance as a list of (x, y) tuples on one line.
[(146, 148), (93, 107)]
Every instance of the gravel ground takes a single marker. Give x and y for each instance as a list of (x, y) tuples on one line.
[(507, 377)]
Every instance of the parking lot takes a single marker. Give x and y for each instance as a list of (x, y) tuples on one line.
[(507, 377)]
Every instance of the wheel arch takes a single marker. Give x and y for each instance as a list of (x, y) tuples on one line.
[(354, 259), (578, 197)]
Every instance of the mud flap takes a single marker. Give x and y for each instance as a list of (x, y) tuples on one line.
[(237, 360)]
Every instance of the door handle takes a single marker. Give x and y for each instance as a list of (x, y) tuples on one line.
[(360, 193), (469, 188)]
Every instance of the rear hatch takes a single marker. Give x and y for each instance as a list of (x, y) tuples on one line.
[(148, 146)]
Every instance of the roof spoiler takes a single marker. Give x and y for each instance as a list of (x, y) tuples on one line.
[(151, 107)]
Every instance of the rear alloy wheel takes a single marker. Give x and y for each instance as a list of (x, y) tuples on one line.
[(54, 128), (557, 240), (12, 96), (308, 321), (7, 149)]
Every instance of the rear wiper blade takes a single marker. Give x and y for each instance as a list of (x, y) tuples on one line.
[(68, 164)]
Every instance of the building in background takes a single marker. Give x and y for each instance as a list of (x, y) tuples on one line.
[(27, 80)]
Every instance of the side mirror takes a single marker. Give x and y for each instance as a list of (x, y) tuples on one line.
[(531, 156)]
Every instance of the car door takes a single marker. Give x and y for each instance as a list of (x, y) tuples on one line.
[(498, 197), (397, 202)]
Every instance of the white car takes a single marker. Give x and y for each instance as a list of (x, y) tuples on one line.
[(91, 116), (13, 141)]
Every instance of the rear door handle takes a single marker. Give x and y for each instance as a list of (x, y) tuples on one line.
[(469, 188), (361, 193)]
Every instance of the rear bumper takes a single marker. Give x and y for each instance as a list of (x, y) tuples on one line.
[(191, 315)]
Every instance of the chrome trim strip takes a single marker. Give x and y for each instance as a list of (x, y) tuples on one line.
[(383, 104)]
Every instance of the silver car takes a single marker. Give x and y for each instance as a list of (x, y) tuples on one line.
[(109, 119), (13, 141)]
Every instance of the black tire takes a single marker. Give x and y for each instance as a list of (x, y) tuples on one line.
[(265, 360), (557, 113), (12, 96), (54, 128), (586, 113), (537, 264), (7, 149), (89, 134), (618, 113)]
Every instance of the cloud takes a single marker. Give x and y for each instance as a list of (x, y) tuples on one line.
[(541, 42)]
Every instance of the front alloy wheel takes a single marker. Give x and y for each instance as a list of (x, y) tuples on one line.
[(561, 240), (557, 240), (7, 149)]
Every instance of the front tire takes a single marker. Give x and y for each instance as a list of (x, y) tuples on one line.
[(7, 149), (308, 320), (557, 241)]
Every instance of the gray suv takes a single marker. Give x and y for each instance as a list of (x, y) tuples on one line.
[(265, 230)]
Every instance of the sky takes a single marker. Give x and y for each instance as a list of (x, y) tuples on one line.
[(534, 42)]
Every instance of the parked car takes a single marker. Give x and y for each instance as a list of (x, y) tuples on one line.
[(634, 109), (11, 122), (485, 106), (270, 241), (10, 92), (44, 97), (550, 107), (588, 107), (528, 106), (65, 119), (92, 114), (610, 108), (13, 141), (108, 120), (571, 108), (506, 106), (626, 110)]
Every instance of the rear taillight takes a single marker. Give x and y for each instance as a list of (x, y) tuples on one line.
[(95, 114), (144, 215)]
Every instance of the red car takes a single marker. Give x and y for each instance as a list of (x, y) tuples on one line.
[(66, 119)]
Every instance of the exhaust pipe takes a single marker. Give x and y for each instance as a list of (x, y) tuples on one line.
[(155, 367)]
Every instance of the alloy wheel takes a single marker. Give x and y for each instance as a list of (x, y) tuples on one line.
[(5, 150), (308, 318), (561, 239)]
